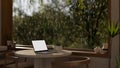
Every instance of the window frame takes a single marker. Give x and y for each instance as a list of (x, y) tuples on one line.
[(6, 21), (7, 30)]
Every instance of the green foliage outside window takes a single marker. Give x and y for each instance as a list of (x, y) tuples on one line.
[(83, 26)]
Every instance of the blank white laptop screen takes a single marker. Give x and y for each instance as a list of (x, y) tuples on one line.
[(39, 45)]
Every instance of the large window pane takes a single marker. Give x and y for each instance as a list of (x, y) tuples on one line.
[(71, 23)]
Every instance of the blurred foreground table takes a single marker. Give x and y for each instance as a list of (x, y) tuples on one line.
[(42, 60)]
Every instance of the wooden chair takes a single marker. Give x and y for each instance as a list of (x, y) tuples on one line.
[(15, 60), (2, 60), (12, 58), (4, 56), (7, 58), (72, 62)]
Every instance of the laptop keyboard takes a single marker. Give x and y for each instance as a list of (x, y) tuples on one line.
[(48, 51)]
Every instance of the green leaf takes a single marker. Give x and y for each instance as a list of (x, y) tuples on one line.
[(113, 28)]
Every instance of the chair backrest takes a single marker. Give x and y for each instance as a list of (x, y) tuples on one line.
[(3, 48), (72, 62)]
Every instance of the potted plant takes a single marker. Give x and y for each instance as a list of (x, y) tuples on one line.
[(113, 29), (118, 62), (58, 46)]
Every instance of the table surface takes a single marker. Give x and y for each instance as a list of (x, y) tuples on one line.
[(32, 54)]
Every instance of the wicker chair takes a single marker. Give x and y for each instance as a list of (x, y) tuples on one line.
[(72, 62)]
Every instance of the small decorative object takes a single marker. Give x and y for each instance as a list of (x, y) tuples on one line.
[(98, 50), (105, 46), (101, 51), (11, 44)]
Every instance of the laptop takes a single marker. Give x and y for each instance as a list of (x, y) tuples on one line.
[(40, 46)]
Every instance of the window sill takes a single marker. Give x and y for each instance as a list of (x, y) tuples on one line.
[(89, 53), (77, 52), (23, 48)]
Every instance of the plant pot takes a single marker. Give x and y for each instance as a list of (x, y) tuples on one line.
[(58, 48)]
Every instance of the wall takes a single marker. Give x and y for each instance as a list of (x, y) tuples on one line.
[(0, 22), (104, 62), (6, 10), (115, 41), (99, 62)]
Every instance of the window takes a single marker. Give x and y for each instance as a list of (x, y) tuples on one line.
[(71, 23)]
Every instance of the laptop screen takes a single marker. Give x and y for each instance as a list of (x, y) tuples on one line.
[(39, 45)]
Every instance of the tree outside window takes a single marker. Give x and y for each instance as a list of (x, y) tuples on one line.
[(70, 23)]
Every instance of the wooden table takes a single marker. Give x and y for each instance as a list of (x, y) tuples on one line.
[(42, 60)]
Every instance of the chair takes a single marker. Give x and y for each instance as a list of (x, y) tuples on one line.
[(72, 62), (3, 50), (16, 61), (2, 60), (8, 59), (11, 59)]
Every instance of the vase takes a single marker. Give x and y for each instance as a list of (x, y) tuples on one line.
[(58, 48)]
